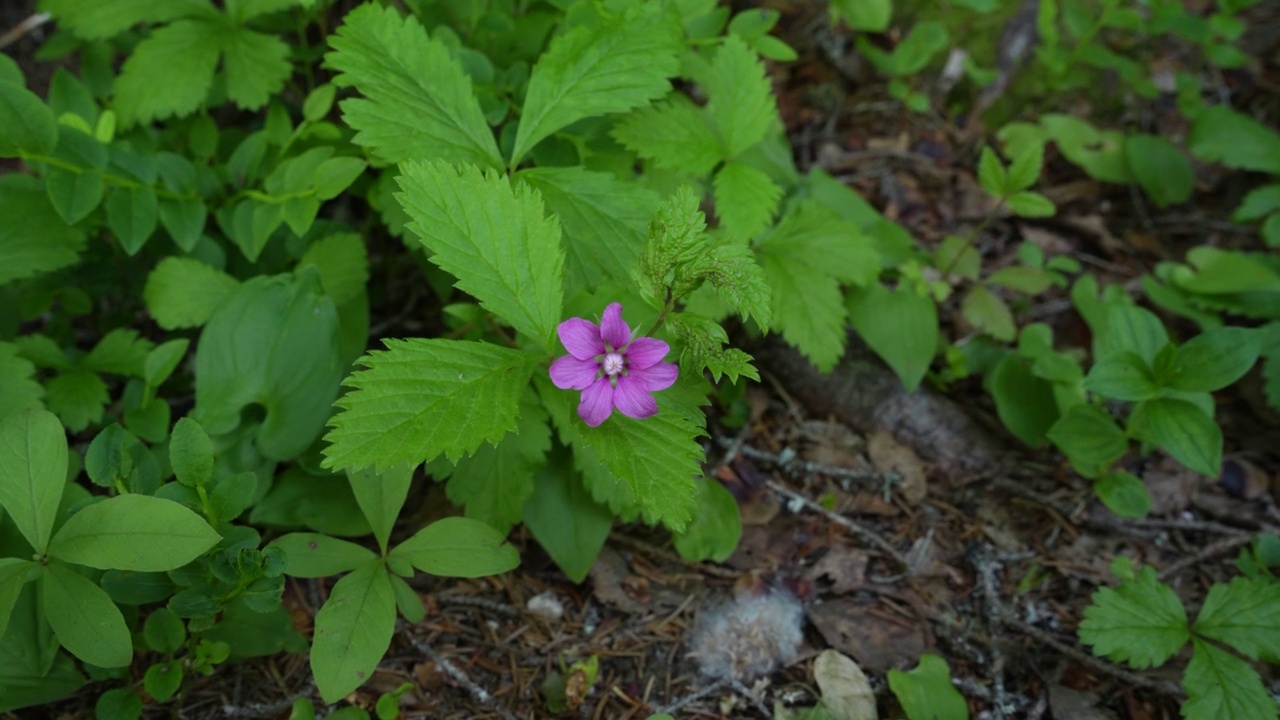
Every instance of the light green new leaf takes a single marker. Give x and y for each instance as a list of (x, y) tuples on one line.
[(256, 66), (133, 532), (1160, 168), (191, 453), (807, 307), (1141, 622), (34, 240), (741, 101), (101, 19), (900, 326), (702, 346), (1183, 430), (927, 692), (458, 547), (564, 519), (418, 102), (169, 73), (83, 617), (343, 265), (988, 313), (26, 123), (312, 555), (13, 575), (353, 631), (604, 222), (596, 71), (746, 200), (674, 134), (1214, 359), (1245, 615), (184, 292), (421, 398), (1221, 686), (33, 471), (495, 239), (731, 267), (381, 496), (19, 389)]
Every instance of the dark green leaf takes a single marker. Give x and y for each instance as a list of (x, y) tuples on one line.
[(1121, 376), (458, 547), (33, 471), (1183, 430), (1124, 494), (1090, 438), (1141, 622), (1214, 359)]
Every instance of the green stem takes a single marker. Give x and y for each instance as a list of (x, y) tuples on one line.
[(106, 177)]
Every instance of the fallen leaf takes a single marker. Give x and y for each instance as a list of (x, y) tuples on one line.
[(844, 567), (845, 691), (890, 456), (875, 643)]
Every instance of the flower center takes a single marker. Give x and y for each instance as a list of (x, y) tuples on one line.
[(612, 364)]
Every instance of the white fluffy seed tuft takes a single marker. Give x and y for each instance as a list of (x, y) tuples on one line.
[(748, 637)]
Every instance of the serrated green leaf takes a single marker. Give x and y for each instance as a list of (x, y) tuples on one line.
[(741, 102), (312, 555), (1025, 168), (992, 176), (1031, 205), (1183, 430), (184, 292), (458, 547), (988, 313), (807, 307), (603, 219), (19, 390), (422, 398), (1214, 359), (120, 352), (900, 326), (1220, 134), (101, 19), (169, 73), (256, 66), (418, 103), (565, 521), (83, 617), (1160, 168), (1141, 622), (495, 239), (26, 123), (1121, 376), (596, 71), (353, 631), (746, 200), (674, 134), (739, 280), (133, 532), (1244, 614), (33, 473), (1090, 438), (33, 239), (78, 397), (1221, 686), (381, 496), (343, 265), (701, 342)]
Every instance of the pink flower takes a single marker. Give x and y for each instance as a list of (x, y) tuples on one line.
[(610, 368)]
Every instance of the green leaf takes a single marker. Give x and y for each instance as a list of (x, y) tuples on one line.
[(1099, 153), (674, 134), (101, 19), (714, 532), (132, 215), (163, 679), (592, 71), (1225, 136), (78, 397), (565, 521), (185, 292), (256, 66), (701, 342), (1160, 168), (33, 472), (343, 265), (1183, 430), (1221, 686), (868, 15), (494, 483), (418, 103), (232, 495), (336, 174), (458, 547), (120, 352), (1029, 204), (1124, 494), (116, 459), (1025, 169), (1245, 615), (312, 555), (604, 222), (1090, 438), (1029, 280), (1259, 203), (163, 360), (1025, 403), (381, 497), (1214, 359), (992, 176), (988, 313), (13, 576), (741, 104), (746, 199), (927, 692), (1141, 622), (26, 123), (731, 267), (353, 631), (34, 240), (1133, 329), (74, 194), (191, 453), (274, 343), (118, 704), (19, 390), (164, 631), (184, 220), (495, 239), (85, 620), (420, 398), (133, 532), (169, 73), (1121, 376), (900, 326)]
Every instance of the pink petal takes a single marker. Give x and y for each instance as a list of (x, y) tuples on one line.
[(633, 400), (581, 338), (655, 378), (597, 403), (645, 353), (612, 329), (570, 373)]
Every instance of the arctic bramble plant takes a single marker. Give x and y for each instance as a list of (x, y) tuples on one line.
[(611, 367)]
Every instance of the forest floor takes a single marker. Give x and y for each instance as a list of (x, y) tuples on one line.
[(891, 542)]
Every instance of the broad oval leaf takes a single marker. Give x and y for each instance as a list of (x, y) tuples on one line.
[(1090, 438), (564, 519), (1121, 376), (191, 453), (1160, 167), (1183, 430), (458, 547), (14, 573), (33, 472), (312, 555), (26, 123), (716, 527), (927, 692), (1124, 494), (900, 326), (1214, 359), (83, 617), (353, 631), (133, 532)]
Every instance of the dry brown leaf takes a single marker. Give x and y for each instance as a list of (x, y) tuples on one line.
[(890, 456)]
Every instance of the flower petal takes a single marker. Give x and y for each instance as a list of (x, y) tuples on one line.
[(570, 373), (612, 329), (657, 377), (597, 403), (646, 352), (633, 400), (581, 338)]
